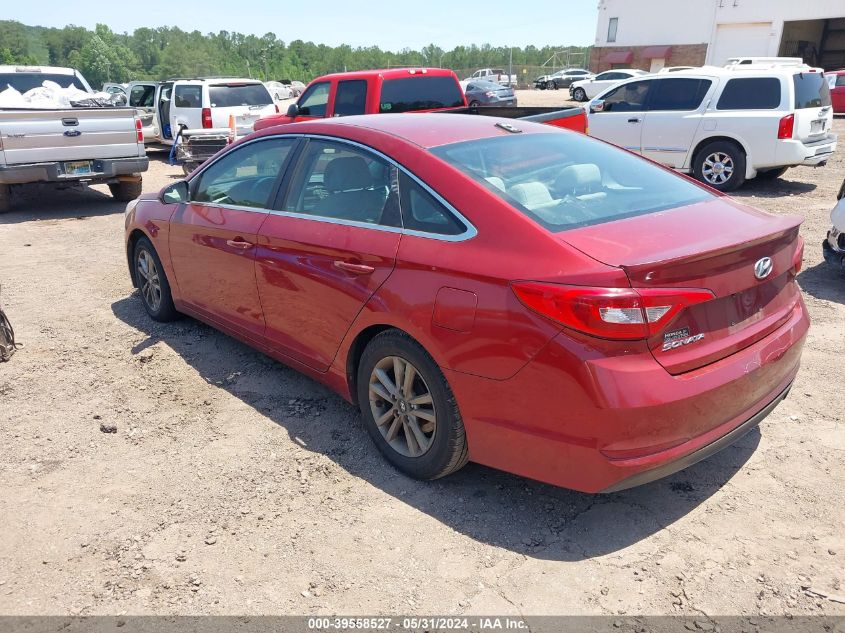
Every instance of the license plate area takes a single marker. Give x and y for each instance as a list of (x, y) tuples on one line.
[(78, 168), (817, 126)]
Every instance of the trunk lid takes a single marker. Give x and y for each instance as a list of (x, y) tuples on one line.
[(248, 102), (713, 245), (813, 109), (38, 136)]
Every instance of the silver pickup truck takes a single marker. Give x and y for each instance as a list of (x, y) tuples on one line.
[(70, 145)]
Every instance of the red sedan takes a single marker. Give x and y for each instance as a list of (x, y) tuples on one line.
[(503, 292)]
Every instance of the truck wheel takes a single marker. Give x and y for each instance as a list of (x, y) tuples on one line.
[(125, 190), (579, 95), (721, 165), (5, 198), (771, 174)]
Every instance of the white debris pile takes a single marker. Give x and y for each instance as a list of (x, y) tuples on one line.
[(51, 96)]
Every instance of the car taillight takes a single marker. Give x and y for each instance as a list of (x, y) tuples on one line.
[(786, 126), (798, 258), (139, 130), (613, 313), (206, 118)]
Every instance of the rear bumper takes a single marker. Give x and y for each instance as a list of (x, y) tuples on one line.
[(793, 152), (616, 421), (102, 170)]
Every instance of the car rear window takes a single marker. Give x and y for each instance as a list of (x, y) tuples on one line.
[(420, 93), (566, 180), (750, 93), (811, 91), (231, 95), (27, 81)]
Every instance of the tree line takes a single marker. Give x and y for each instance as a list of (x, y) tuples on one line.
[(166, 52)]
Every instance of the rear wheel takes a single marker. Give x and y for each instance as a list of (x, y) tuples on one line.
[(771, 174), (152, 282), (579, 95), (409, 409), (126, 190), (5, 198), (721, 165)]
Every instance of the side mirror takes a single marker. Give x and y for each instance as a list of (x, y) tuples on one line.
[(175, 193), (293, 110), (597, 106)]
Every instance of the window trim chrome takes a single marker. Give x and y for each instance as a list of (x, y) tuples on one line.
[(468, 234)]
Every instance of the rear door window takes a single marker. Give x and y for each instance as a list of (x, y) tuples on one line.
[(351, 97), (420, 93), (750, 93), (314, 100), (811, 91), (678, 94)]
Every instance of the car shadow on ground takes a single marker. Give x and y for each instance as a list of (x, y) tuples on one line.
[(773, 188), (487, 505), (34, 202), (824, 281)]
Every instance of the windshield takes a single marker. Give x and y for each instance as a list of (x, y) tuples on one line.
[(811, 91), (27, 81), (567, 180), (420, 93), (231, 95)]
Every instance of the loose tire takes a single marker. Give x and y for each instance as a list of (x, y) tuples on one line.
[(409, 409), (772, 174), (721, 165), (5, 198), (579, 94), (125, 190), (152, 283)]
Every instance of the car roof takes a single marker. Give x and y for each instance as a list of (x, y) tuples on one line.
[(625, 70), (426, 130), (387, 73)]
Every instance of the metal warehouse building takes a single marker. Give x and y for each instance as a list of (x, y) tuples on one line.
[(650, 34)]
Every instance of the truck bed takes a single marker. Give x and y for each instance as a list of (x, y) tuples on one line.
[(572, 118)]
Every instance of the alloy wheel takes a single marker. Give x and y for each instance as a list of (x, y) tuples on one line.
[(718, 168), (402, 406), (149, 280)]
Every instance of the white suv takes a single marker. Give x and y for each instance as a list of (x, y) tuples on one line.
[(208, 103), (722, 125)]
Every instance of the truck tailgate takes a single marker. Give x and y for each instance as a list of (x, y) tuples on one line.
[(37, 136)]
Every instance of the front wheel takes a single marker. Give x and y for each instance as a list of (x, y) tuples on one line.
[(579, 94), (152, 282), (5, 198), (721, 165), (474, 104), (550, 85), (409, 409)]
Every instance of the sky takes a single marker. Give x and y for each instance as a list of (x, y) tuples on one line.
[(389, 24)]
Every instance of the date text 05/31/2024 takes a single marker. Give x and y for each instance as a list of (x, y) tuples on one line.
[(416, 624)]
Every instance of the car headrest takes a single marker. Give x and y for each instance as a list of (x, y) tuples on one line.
[(578, 179), (496, 182), (531, 194), (347, 173)]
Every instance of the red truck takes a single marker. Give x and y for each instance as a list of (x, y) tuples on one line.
[(406, 90)]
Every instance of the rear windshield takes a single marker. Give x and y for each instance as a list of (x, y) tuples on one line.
[(567, 180), (420, 93), (811, 91), (231, 95), (27, 81)]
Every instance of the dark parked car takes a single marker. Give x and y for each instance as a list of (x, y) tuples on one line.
[(561, 79), (488, 289), (489, 93)]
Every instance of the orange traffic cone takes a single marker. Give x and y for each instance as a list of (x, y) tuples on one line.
[(233, 129)]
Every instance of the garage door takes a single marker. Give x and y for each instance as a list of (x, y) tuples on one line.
[(741, 40)]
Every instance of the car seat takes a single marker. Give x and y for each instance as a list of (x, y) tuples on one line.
[(349, 181)]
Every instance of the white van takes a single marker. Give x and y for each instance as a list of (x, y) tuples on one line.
[(722, 125), (169, 106)]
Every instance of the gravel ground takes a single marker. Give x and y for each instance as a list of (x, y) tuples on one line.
[(234, 485)]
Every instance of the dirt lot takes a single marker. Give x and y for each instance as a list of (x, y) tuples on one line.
[(235, 485)]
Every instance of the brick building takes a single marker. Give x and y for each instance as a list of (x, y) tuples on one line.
[(651, 34)]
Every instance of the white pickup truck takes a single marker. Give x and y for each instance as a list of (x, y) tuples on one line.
[(496, 75), (70, 145)]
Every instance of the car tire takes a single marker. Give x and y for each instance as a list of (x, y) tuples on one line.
[(771, 174), (579, 94), (442, 447), (5, 198), (474, 104), (152, 282), (550, 85), (721, 165), (126, 190)]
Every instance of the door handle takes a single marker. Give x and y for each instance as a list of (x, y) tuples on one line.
[(355, 269), (635, 120), (240, 243)]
